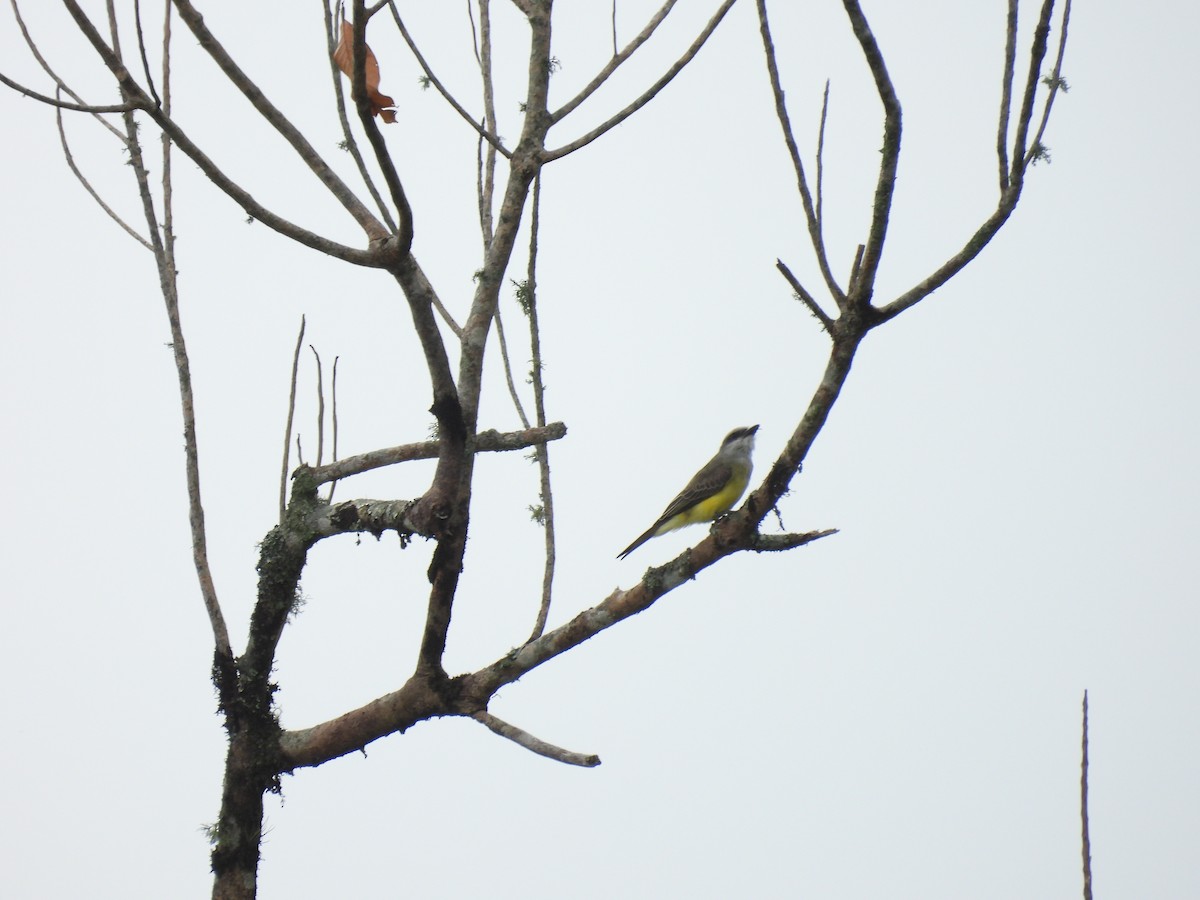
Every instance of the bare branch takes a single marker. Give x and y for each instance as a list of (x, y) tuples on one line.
[(1037, 54), (650, 94), (63, 104), (320, 407), (373, 258), (774, 542), (805, 297), (764, 498), (1010, 62), (62, 136), (956, 263), (811, 215), (487, 194), (370, 516), (617, 59), (508, 374), (529, 742), (490, 441), (882, 206), (168, 285), (374, 230), (287, 429), (168, 191), (137, 21), (1055, 82), (1008, 197), (334, 421), (492, 139), (41, 60), (856, 267), (539, 402), (821, 161), (1083, 807)]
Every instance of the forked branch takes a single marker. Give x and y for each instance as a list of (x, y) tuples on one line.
[(617, 59), (649, 94)]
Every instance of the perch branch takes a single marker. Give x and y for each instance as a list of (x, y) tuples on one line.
[(484, 442), (535, 745)]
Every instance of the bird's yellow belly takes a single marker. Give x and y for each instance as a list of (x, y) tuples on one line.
[(708, 509)]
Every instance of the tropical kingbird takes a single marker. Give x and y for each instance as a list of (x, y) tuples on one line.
[(712, 491)]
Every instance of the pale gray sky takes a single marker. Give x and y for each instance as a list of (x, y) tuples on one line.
[(890, 712)]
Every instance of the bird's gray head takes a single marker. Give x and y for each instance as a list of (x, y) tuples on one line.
[(740, 440)]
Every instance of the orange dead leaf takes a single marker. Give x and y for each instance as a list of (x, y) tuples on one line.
[(381, 104)]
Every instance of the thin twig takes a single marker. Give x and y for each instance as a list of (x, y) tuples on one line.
[(855, 268), (1055, 83), (539, 401), (1010, 63), (1083, 807), (776, 542), (287, 429), (1036, 54), (168, 285), (805, 297), (137, 22), (648, 95), (373, 228), (536, 745), (168, 191), (141, 100), (41, 60), (785, 123), (487, 181), (821, 161), (1008, 197), (506, 363), (492, 139), (320, 407), (63, 104), (333, 418), (87, 186), (617, 59), (474, 34), (886, 183)]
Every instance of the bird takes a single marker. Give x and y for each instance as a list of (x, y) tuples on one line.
[(711, 492)]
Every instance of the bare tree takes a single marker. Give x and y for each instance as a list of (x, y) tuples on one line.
[(508, 188)]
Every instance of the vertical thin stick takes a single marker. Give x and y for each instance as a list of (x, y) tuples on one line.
[(333, 420), (821, 154), (1083, 807), (1010, 64), (287, 431), (508, 374), (487, 187), (539, 402), (320, 407)]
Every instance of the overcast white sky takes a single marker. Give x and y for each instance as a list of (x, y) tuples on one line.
[(891, 712)]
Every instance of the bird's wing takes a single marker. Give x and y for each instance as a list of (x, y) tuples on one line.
[(714, 476)]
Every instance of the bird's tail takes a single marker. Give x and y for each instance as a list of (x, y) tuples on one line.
[(649, 533)]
